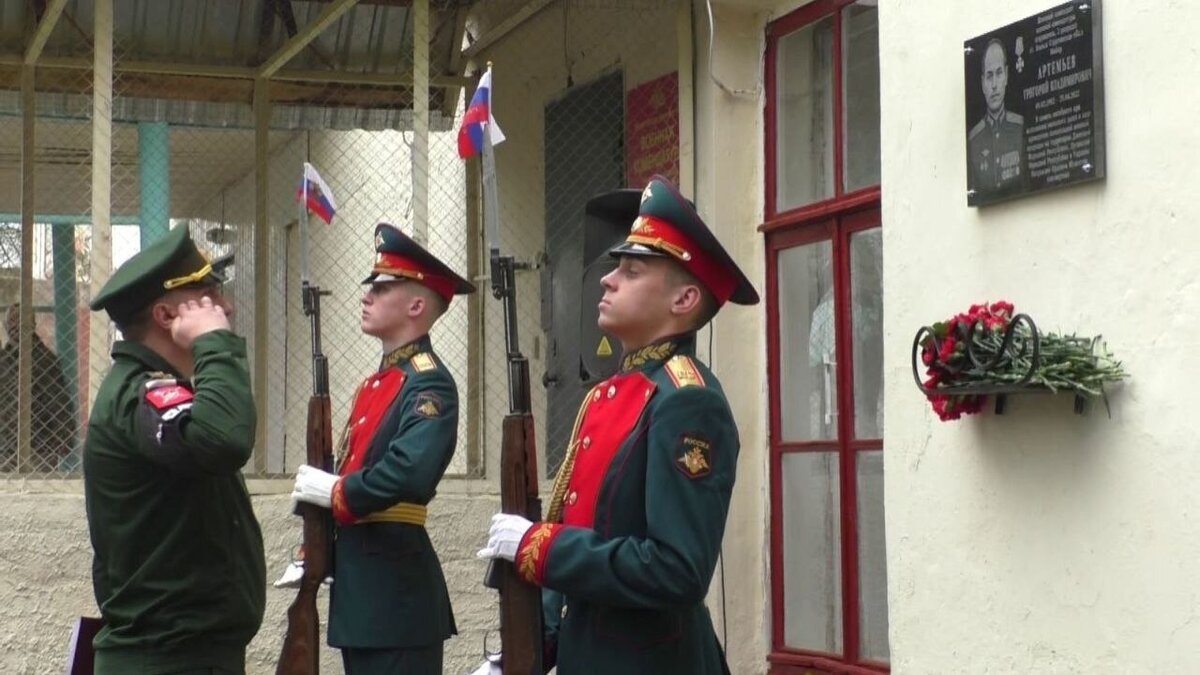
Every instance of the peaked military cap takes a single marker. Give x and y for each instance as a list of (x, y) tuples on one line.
[(397, 257), (667, 225), (172, 262)]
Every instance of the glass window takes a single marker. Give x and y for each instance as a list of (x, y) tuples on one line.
[(872, 559), (866, 296), (804, 124), (860, 96), (812, 551), (826, 361), (808, 367)]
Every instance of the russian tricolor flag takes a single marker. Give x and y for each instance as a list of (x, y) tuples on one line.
[(477, 119), (315, 193)]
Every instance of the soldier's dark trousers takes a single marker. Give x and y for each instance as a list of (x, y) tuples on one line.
[(409, 661)]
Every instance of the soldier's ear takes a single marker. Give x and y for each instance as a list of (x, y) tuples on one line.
[(686, 299), (162, 313), (417, 305)]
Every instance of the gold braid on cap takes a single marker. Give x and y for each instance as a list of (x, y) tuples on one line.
[(665, 246), (192, 278)]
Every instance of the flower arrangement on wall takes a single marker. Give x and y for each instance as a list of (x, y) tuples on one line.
[(991, 351)]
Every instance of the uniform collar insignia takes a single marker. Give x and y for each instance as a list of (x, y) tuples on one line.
[(651, 353), (399, 355)]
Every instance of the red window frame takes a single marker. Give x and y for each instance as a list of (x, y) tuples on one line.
[(834, 219)]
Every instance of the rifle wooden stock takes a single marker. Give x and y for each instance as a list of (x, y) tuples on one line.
[(520, 603), (302, 644)]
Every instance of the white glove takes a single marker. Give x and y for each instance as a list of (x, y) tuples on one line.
[(504, 536), (292, 576), (490, 667), (314, 486)]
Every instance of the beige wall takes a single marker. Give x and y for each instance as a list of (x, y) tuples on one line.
[(729, 178), (45, 574), (1041, 541)]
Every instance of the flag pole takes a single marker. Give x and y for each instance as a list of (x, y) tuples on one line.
[(491, 207), (305, 279)]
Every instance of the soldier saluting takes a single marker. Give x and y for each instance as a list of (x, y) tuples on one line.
[(634, 528), (178, 567)]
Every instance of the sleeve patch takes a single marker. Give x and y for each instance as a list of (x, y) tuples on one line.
[(694, 456), (429, 405), (423, 362), (167, 396)]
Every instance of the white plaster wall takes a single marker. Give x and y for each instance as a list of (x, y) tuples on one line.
[(45, 575), (1040, 541), (729, 196)]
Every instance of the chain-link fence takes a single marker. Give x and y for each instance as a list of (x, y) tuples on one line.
[(214, 109)]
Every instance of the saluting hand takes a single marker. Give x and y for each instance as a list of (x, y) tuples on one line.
[(193, 319)]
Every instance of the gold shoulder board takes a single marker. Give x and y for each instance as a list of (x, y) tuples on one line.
[(423, 362), (683, 372)]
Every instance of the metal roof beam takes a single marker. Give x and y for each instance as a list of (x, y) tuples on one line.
[(298, 41), (236, 73), (42, 33), (505, 27)]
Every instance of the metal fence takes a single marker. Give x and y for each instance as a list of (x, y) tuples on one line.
[(214, 108)]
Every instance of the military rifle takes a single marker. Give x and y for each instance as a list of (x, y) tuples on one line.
[(520, 602), (302, 642)]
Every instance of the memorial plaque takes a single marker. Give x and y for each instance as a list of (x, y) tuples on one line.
[(1035, 104)]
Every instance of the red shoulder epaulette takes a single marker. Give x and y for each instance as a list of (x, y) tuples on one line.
[(167, 393)]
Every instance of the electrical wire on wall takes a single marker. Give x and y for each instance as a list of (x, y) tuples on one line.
[(754, 94)]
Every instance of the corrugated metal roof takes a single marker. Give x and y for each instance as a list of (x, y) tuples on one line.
[(369, 39)]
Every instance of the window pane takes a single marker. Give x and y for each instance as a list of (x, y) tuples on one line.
[(804, 121), (860, 95), (872, 558), (812, 552), (808, 370), (866, 295)]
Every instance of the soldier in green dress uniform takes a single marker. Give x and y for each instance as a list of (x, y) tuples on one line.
[(634, 528), (178, 568), (389, 607)]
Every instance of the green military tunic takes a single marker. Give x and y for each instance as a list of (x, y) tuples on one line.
[(178, 565), (635, 527), (996, 155), (389, 592)]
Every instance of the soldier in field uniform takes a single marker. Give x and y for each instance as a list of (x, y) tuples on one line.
[(634, 528), (178, 568), (389, 608)]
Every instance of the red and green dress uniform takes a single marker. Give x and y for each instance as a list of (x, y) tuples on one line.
[(388, 590), (635, 526), (636, 522), (389, 606)]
